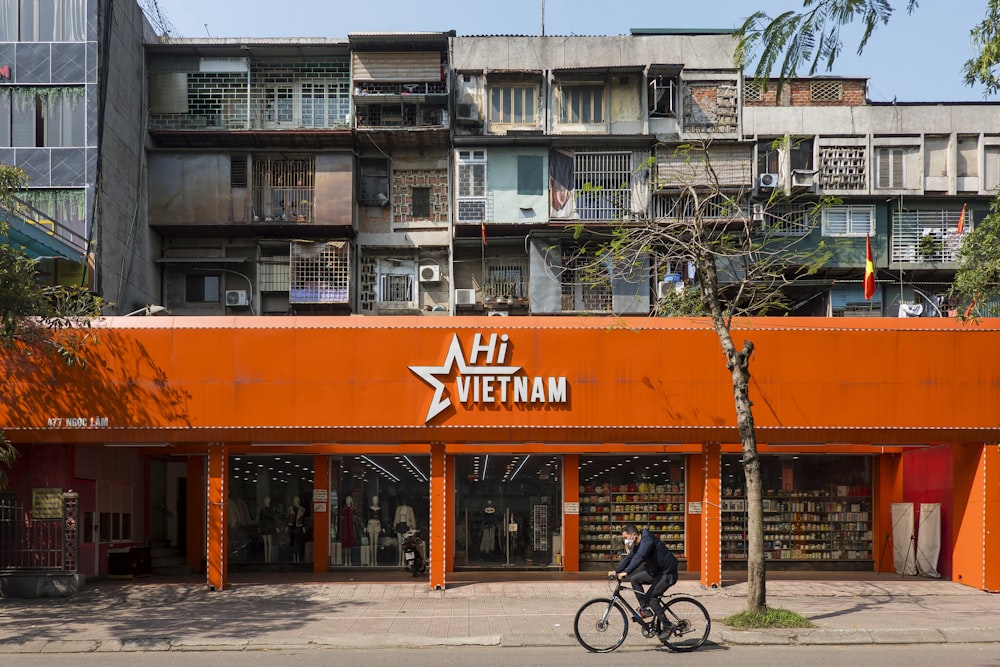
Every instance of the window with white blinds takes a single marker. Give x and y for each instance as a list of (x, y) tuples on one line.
[(848, 220)]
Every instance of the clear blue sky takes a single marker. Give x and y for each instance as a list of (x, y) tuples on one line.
[(915, 58)]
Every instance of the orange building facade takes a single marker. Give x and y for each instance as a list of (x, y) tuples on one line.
[(251, 443)]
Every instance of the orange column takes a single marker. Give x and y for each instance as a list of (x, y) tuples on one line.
[(449, 492), (888, 489), (711, 517), (571, 521), (694, 490), (196, 494), (321, 514), (217, 539), (976, 499), (439, 517)]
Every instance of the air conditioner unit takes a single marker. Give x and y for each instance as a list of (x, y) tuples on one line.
[(768, 181), (498, 313), (804, 178), (237, 297), (671, 281), (430, 273), (465, 297), (758, 213)]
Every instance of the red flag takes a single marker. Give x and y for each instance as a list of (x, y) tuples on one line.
[(961, 221), (869, 269), (968, 311), (482, 228)]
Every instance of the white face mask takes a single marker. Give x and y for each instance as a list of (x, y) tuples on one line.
[(629, 542)]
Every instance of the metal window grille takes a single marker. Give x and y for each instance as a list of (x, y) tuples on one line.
[(717, 208), (396, 288), (843, 167), (926, 236), (320, 272), (826, 91), (787, 219), (505, 281), (848, 220), (579, 292), (753, 92), (283, 188), (274, 274), (471, 186), (603, 185)]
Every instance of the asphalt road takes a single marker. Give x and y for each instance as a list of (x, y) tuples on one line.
[(965, 655)]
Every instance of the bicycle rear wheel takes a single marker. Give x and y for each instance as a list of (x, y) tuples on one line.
[(691, 624), (601, 625)]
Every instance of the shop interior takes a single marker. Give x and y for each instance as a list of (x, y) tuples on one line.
[(817, 510), (508, 511), (646, 490), (270, 511), (376, 503)]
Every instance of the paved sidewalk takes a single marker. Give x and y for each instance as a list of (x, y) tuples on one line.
[(300, 611)]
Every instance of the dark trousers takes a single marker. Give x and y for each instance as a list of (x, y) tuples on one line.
[(651, 598)]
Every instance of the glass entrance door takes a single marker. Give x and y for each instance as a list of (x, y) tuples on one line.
[(508, 511)]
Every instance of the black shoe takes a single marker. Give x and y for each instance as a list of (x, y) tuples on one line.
[(667, 633), (646, 612)]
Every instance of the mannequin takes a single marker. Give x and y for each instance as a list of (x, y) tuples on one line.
[(374, 529), (268, 527), (348, 539), (296, 529), (404, 514)]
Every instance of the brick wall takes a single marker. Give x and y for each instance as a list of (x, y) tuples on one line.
[(403, 182), (799, 93), (710, 107)]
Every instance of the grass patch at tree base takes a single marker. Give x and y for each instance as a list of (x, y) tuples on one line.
[(771, 618)]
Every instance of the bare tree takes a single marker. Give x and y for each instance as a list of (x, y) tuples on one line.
[(745, 257)]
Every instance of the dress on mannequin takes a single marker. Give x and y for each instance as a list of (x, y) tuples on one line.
[(348, 538), (404, 515), (268, 527), (297, 529), (374, 529)]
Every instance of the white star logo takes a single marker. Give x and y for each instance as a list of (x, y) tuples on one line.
[(455, 357)]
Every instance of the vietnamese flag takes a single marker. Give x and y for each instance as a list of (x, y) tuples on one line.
[(961, 221), (482, 230), (869, 269)]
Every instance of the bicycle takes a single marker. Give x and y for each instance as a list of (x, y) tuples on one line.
[(602, 625)]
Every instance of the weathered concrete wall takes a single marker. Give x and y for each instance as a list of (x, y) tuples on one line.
[(524, 52), (126, 248), (881, 119)]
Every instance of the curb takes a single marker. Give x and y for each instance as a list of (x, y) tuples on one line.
[(790, 637)]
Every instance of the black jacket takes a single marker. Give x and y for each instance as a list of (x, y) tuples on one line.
[(651, 551)]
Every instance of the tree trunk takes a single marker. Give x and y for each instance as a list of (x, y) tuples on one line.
[(738, 363), (756, 579)]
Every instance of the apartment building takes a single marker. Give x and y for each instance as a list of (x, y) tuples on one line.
[(406, 176)]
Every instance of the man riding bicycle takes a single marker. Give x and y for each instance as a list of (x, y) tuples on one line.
[(661, 570)]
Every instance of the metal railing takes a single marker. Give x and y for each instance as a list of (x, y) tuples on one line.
[(31, 543), (926, 237)]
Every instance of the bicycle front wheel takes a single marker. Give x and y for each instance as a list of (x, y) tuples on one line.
[(600, 625), (691, 624)]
